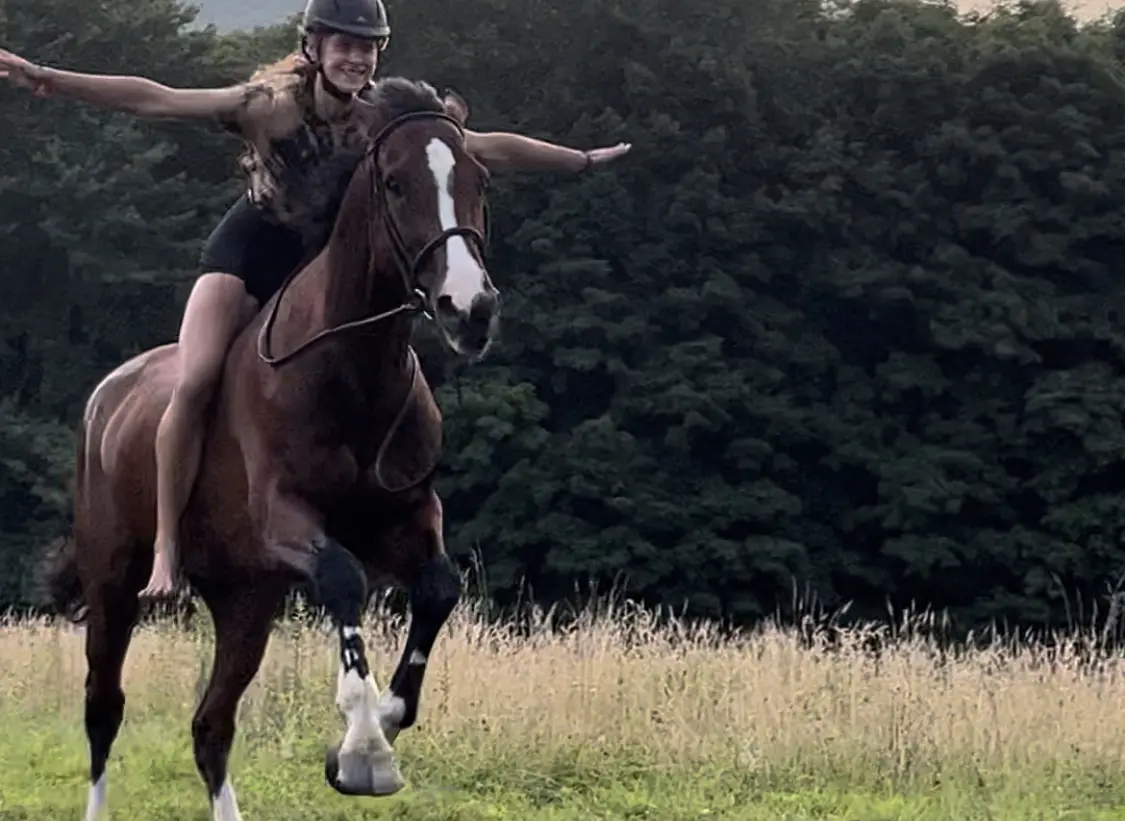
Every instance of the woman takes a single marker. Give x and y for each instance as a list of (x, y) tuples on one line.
[(292, 117)]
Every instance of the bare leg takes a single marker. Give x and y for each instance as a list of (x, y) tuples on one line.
[(217, 310), (242, 628), (179, 440)]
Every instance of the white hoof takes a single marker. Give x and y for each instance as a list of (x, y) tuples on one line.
[(359, 773)]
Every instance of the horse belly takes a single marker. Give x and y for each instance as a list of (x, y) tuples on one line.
[(217, 512)]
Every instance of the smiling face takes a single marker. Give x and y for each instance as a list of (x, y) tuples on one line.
[(349, 62), (435, 188)]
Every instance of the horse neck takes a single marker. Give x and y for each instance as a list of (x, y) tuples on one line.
[(354, 285), (343, 284)]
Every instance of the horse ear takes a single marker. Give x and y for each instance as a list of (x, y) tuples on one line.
[(456, 106)]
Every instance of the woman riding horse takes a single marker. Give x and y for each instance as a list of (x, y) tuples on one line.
[(296, 118)]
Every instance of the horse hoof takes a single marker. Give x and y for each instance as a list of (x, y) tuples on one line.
[(361, 778)]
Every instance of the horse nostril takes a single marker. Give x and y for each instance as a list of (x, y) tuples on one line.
[(484, 307)]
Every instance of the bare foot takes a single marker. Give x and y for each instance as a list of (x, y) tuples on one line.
[(161, 584)]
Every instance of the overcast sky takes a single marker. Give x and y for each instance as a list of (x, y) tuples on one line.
[(229, 14), (1084, 9), (232, 14)]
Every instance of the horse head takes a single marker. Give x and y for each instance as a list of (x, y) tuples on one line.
[(410, 233), (431, 204)]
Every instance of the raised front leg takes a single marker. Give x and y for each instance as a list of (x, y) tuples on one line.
[(416, 554), (363, 762)]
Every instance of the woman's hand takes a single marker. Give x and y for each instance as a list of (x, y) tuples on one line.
[(24, 74), (600, 156)]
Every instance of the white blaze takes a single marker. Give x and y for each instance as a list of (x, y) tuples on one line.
[(464, 278)]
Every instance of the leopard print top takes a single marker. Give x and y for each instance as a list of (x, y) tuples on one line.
[(297, 165)]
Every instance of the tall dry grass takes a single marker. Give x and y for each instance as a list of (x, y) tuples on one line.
[(618, 684)]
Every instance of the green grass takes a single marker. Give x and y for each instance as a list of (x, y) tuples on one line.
[(555, 728)]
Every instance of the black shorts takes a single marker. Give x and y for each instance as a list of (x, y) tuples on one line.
[(254, 248)]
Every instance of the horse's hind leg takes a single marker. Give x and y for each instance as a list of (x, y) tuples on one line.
[(242, 619), (110, 618), (419, 560)]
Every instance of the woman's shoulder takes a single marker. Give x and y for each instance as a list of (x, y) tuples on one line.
[(277, 97)]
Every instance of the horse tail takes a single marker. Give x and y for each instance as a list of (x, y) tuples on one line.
[(58, 581)]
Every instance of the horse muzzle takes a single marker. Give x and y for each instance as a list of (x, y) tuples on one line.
[(471, 332)]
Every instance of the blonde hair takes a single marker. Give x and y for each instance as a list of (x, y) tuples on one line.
[(285, 75)]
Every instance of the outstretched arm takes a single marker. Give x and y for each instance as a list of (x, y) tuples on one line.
[(503, 151), (133, 95)]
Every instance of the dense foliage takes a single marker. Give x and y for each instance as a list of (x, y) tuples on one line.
[(845, 319)]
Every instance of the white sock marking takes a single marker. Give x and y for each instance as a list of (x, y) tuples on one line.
[(357, 700), (95, 801), (464, 278), (225, 807)]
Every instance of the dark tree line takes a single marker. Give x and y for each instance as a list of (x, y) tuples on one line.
[(848, 317)]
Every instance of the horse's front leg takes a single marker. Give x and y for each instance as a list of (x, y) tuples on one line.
[(414, 552), (363, 763)]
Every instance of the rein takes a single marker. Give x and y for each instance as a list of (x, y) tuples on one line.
[(415, 301)]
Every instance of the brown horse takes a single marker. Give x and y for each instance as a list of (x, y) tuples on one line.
[(319, 463)]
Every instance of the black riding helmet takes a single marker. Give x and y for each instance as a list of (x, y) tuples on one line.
[(360, 18)]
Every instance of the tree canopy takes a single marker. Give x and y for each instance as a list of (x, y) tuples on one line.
[(846, 318)]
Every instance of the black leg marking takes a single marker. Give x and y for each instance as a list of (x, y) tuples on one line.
[(339, 584), (352, 652), (108, 633), (105, 709)]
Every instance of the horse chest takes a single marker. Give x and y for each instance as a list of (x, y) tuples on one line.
[(395, 445)]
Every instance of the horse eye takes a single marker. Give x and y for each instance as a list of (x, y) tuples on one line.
[(393, 185)]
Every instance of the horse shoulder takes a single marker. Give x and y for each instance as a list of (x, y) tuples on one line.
[(412, 448), (287, 445)]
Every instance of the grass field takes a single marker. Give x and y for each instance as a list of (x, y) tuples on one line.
[(613, 719)]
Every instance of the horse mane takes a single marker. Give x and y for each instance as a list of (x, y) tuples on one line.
[(384, 101), (395, 96)]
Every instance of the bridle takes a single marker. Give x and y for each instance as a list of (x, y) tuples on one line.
[(408, 267)]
